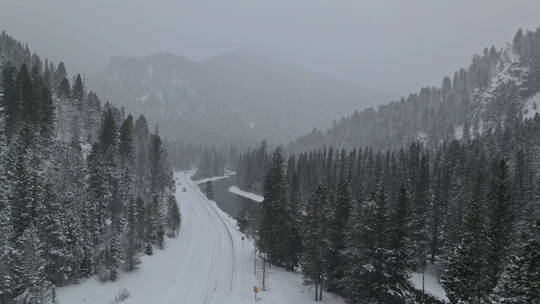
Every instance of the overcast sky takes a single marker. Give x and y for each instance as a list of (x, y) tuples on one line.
[(394, 46)]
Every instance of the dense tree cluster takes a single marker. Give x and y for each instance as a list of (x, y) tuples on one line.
[(490, 92), (84, 189), (359, 221), (251, 167), (209, 160)]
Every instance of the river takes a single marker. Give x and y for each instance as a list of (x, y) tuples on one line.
[(234, 203)]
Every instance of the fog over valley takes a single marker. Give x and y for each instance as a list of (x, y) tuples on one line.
[(269, 151)]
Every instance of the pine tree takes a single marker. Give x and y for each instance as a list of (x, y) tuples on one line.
[(520, 282), (316, 239), (156, 163), (337, 228), (148, 250), (51, 223), (500, 220), (77, 91), (464, 279), (32, 269), (113, 255), (364, 266), (29, 103), (278, 230), (64, 89), (10, 281), (59, 75), (141, 224), (9, 101), (126, 148), (399, 257), (131, 256), (71, 184), (421, 200), (173, 217), (102, 175), (25, 177), (47, 118), (243, 221), (141, 153)]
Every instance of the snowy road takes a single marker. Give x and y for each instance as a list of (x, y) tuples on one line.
[(208, 263)]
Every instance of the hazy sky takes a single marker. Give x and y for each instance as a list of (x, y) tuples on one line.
[(395, 46)]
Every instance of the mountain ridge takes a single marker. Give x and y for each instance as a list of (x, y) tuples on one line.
[(491, 92), (249, 96)]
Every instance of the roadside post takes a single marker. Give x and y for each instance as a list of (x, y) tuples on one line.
[(255, 291)]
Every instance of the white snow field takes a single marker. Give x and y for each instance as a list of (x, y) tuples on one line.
[(207, 263), (252, 196)]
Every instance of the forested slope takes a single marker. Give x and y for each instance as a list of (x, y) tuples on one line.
[(362, 213), (497, 88), (84, 188)]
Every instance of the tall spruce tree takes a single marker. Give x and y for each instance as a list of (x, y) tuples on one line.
[(500, 229), (278, 229), (520, 282), (11, 107), (341, 212), (367, 239), (464, 279), (316, 239), (77, 91)]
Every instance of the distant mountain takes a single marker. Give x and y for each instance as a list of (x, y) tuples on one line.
[(498, 89), (235, 98)]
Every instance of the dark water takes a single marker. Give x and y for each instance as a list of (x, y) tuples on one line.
[(234, 203)]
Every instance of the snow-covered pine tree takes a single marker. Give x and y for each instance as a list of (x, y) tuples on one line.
[(316, 242), (131, 252), (520, 282), (51, 227), (141, 156), (59, 75), (31, 266), (398, 258), (126, 149), (173, 217), (366, 242), (67, 203), (464, 279), (278, 230), (77, 92), (501, 220), (9, 102), (337, 227)]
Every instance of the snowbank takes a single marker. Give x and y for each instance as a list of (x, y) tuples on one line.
[(249, 195), (214, 178)]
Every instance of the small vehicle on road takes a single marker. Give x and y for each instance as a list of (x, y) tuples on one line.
[(184, 189)]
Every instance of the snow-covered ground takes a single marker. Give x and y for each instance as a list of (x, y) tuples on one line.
[(431, 285), (214, 178), (207, 263), (532, 106), (251, 196)]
